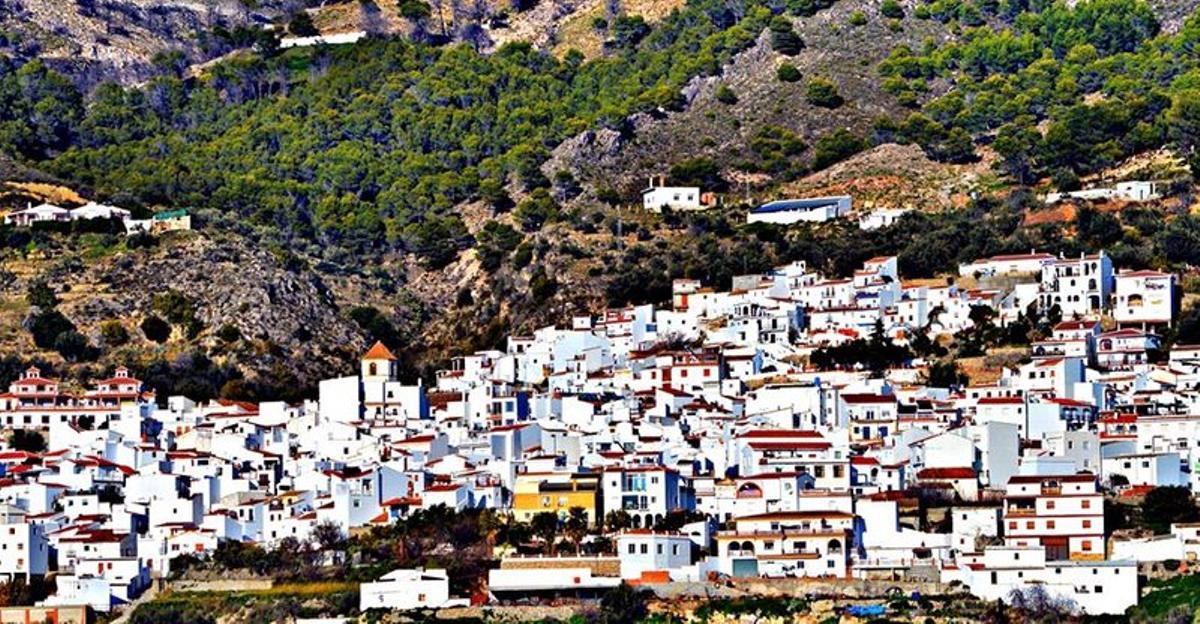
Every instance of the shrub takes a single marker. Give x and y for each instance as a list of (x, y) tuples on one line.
[(892, 9), (156, 329), (702, 172), (41, 295), (302, 25), (73, 346), (725, 95), (1065, 180), (858, 18), (47, 326), (536, 210), (786, 72), (375, 323), (541, 285), (415, 10), (627, 31), (229, 333), (623, 604), (784, 39), (523, 256), (113, 333), (822, 92), (140, 240), (175, 306), (495, 242)]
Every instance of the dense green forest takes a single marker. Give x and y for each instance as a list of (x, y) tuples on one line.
[(368, 148), (1099, 76)]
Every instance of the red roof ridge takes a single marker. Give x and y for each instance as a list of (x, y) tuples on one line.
[(379, 352)]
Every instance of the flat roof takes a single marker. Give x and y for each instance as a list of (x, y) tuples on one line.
[(785, 205)]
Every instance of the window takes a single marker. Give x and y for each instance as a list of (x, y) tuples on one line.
[(632, 549), (1029, 524), (1049, 504), (1049, 524), (1087, 524), (1012, 524), (1087, 545), (1086, 504), (644, 549)]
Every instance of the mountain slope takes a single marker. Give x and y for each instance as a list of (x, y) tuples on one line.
[(834, 49), (438, 198)]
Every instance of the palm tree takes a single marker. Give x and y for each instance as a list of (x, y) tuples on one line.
[(545, 526), (576, 526)]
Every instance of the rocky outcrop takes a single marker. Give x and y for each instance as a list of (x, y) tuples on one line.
[(116, 40), (285, 314), (848, 55)]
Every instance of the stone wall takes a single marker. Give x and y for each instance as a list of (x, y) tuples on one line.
[(221, 585), (600, 566), (857, 588), (520, 613)]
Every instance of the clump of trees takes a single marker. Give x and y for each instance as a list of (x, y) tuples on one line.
[(1036, 71), (27, 440), (51, 329), (877, 353)]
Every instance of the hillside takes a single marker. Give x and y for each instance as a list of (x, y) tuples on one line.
[(833, 49), (439, 197), (287, 319)]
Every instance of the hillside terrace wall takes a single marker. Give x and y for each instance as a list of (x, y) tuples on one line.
[(600, 566), (857, 588)]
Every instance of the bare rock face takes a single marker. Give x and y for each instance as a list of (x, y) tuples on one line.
[(590, 146), (286, 314), (116, 40)]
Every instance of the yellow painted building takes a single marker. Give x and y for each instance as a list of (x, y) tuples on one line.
[(556, 493)]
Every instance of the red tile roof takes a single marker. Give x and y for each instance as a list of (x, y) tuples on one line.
[(947, 473), (379, 352)]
